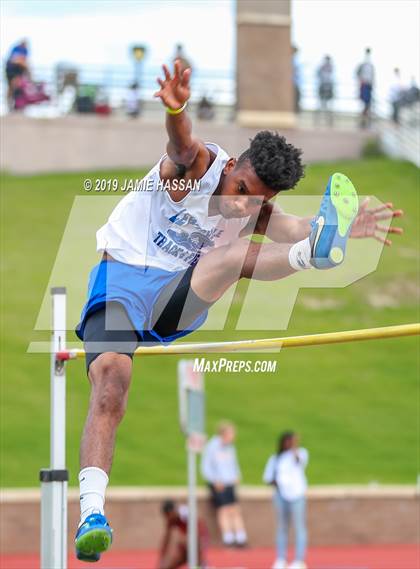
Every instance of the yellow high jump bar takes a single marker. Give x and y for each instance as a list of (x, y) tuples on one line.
[(270, 343)]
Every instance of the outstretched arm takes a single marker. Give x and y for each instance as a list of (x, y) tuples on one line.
[(284, 228), (174, 92)]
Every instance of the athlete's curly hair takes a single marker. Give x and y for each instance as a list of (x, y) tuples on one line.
[(276, 163)]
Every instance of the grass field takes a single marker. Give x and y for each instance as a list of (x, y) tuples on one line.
[(355, 405)]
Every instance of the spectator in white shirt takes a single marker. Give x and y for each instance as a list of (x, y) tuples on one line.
[(286, 472), (132, 102), (220, 469)]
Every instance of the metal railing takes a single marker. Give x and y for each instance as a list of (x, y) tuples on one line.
[(218, 85), (401, 140), (112, 82)]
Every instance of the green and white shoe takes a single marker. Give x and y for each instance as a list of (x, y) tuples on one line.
[(331, 227), (93, 537)]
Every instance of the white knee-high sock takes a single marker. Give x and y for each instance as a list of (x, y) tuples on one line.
[(300, 255), (93, 482)]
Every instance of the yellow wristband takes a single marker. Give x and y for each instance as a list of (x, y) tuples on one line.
[(176, 111)]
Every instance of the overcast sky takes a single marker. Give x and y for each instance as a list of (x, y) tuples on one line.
[(100, 32)]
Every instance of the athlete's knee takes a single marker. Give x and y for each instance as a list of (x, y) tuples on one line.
[(110, 376)]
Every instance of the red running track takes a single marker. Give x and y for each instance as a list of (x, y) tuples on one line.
[(368, 557)]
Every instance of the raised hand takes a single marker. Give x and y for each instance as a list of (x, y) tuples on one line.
[(174, 89), (367, 223)]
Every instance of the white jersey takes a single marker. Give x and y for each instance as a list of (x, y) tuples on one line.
[(219, 462), (148, 228), (366, 72), (288, 473)]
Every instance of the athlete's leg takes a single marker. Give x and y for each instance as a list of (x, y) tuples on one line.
[(110, 376), (109, 341), (222, 267), (181, 303)]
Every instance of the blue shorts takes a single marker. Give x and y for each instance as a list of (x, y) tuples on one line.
[(139, 290)]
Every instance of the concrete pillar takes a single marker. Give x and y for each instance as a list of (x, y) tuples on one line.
[(264, 64)]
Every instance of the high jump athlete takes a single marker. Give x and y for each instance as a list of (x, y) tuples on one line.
[(169, 253)]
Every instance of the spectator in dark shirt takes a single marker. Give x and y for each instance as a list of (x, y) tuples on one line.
[(16, 67), (174, 551)]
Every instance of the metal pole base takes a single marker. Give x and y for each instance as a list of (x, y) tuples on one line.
[(54, 518)]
